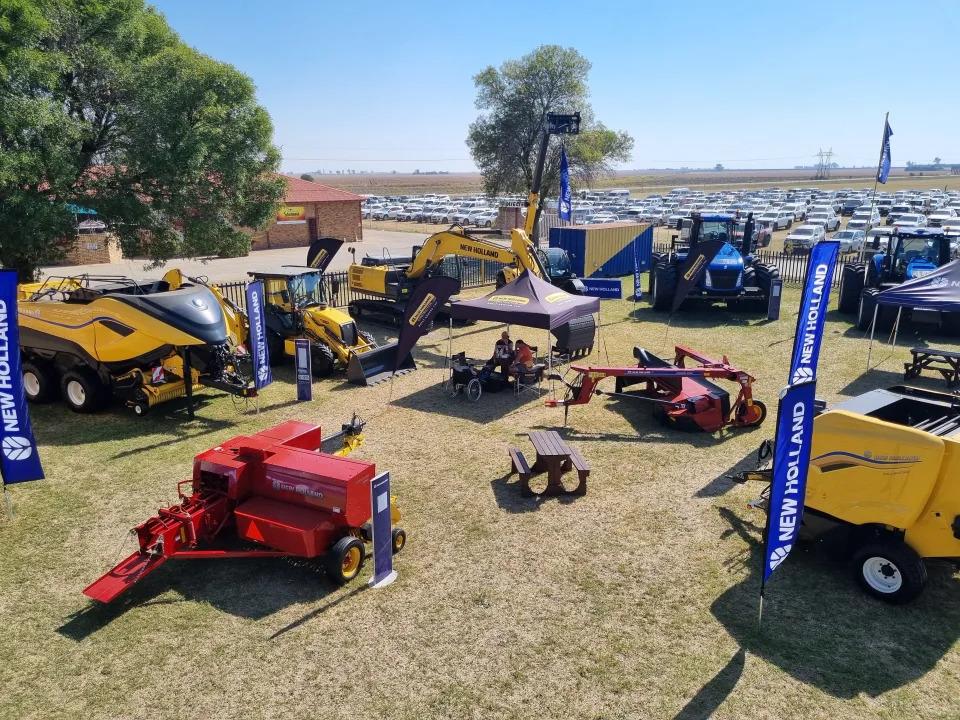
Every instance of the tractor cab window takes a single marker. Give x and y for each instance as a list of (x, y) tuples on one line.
[(714, 230), (555, 260), (912, 248), (306, 289), (278, 295), (348, 333)]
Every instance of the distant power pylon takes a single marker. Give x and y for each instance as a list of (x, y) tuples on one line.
[(823, 165)]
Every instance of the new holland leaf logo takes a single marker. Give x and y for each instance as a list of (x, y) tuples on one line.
[(17, 447), (778, 556), (802, 374)]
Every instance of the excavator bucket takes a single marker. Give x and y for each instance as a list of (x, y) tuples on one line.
[(375, 366)]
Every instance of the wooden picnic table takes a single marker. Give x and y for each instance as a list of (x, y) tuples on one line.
[(554, 457), (945, 362)]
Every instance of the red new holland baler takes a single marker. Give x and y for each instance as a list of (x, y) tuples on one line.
[(275, 489)]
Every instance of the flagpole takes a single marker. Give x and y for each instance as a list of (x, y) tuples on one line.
[(876, 179)]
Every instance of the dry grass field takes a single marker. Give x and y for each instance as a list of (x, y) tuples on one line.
[(638, 600), (642, 182)]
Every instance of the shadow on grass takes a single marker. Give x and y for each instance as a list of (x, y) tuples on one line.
[(874, 378), (721, 484), (510, 498), (821, 629), (247, 588), (693, 314), (490, 407), (711, 696)]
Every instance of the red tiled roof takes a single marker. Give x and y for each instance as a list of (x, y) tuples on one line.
[(305, 191)]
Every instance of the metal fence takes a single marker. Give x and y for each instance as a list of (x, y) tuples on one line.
[(792, 266), (337, 291)]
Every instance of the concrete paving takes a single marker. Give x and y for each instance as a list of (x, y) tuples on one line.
[(375, 242)]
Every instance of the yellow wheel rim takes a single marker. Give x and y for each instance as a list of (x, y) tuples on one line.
[(398, 541), (351, 562)]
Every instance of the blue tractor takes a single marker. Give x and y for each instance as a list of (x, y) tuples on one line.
[(734, 276), (910, 253)]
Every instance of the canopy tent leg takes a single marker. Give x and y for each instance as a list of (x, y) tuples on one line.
[(896, 327), (873, 325), (449, 361)]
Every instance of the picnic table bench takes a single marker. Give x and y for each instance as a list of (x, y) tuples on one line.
[(554, 457), (945, 362)]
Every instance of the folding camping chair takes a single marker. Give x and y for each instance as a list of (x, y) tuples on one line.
[(529, 379)]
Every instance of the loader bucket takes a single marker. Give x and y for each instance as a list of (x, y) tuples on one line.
[(375, 366)]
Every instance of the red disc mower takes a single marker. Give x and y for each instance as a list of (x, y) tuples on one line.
[(275, 490), (682, 396)]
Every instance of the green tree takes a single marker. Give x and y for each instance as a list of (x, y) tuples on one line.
[(102, 106), (936, 161), (514, 101), (718, 167)]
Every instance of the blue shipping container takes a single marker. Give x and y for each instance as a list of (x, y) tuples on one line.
[(605, 250)]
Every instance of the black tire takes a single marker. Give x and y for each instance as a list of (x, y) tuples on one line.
[(344, 560), (868, 301), (82, 390), (664, 286), (762, 408), (399, 539), (766, 274), (321, 360), (890, 570), (367, 337), (141, 408), (275, 348), (851, 287), (39, 382)]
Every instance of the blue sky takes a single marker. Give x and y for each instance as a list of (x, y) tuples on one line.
[(380, 86)]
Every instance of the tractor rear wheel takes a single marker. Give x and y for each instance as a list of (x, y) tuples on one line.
[(765, 274), (321, 360), (344, 560), (868, 303), (664, 286), (39, 382), (890, 570), (851, 287), (83, 390)]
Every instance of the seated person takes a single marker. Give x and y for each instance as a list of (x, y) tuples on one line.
[(502, 357), (523, 356)]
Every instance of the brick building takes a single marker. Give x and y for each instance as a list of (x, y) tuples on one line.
[(311, 210)]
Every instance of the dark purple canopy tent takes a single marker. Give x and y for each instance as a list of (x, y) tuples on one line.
[(527, 301), (938, 290)]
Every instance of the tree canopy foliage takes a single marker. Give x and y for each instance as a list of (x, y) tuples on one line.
[(514, 101), (103, 107)]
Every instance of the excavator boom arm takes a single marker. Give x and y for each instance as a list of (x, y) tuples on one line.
[(449, 242)]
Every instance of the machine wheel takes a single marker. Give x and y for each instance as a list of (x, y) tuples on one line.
[(321, 360), (868, 301), (891, 571), (275, 348), (345, 559), (474, 390), (664, 286), (399, 540), (141, 408), (82, 390), (39, 382), (367, 337), (752, 416), (851, 287)]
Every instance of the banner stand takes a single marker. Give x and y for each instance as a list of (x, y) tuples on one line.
[(388, 580), (8, 502)]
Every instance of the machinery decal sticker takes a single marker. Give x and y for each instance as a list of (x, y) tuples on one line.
[(428, 304), (840, 460), (508, 300)]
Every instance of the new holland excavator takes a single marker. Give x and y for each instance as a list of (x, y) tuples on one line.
[(388, 286), (87, 338)]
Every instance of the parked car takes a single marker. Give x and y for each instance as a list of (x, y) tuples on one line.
[(803, 238), (936, 219), (828, 220), (850, 240), (484, 218), (850, 206), (911, 220), (864, 220), (779, 219), (896, 211)]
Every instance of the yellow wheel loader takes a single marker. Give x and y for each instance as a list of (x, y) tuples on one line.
[(884, 486), (88, 338), (296, 308)]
